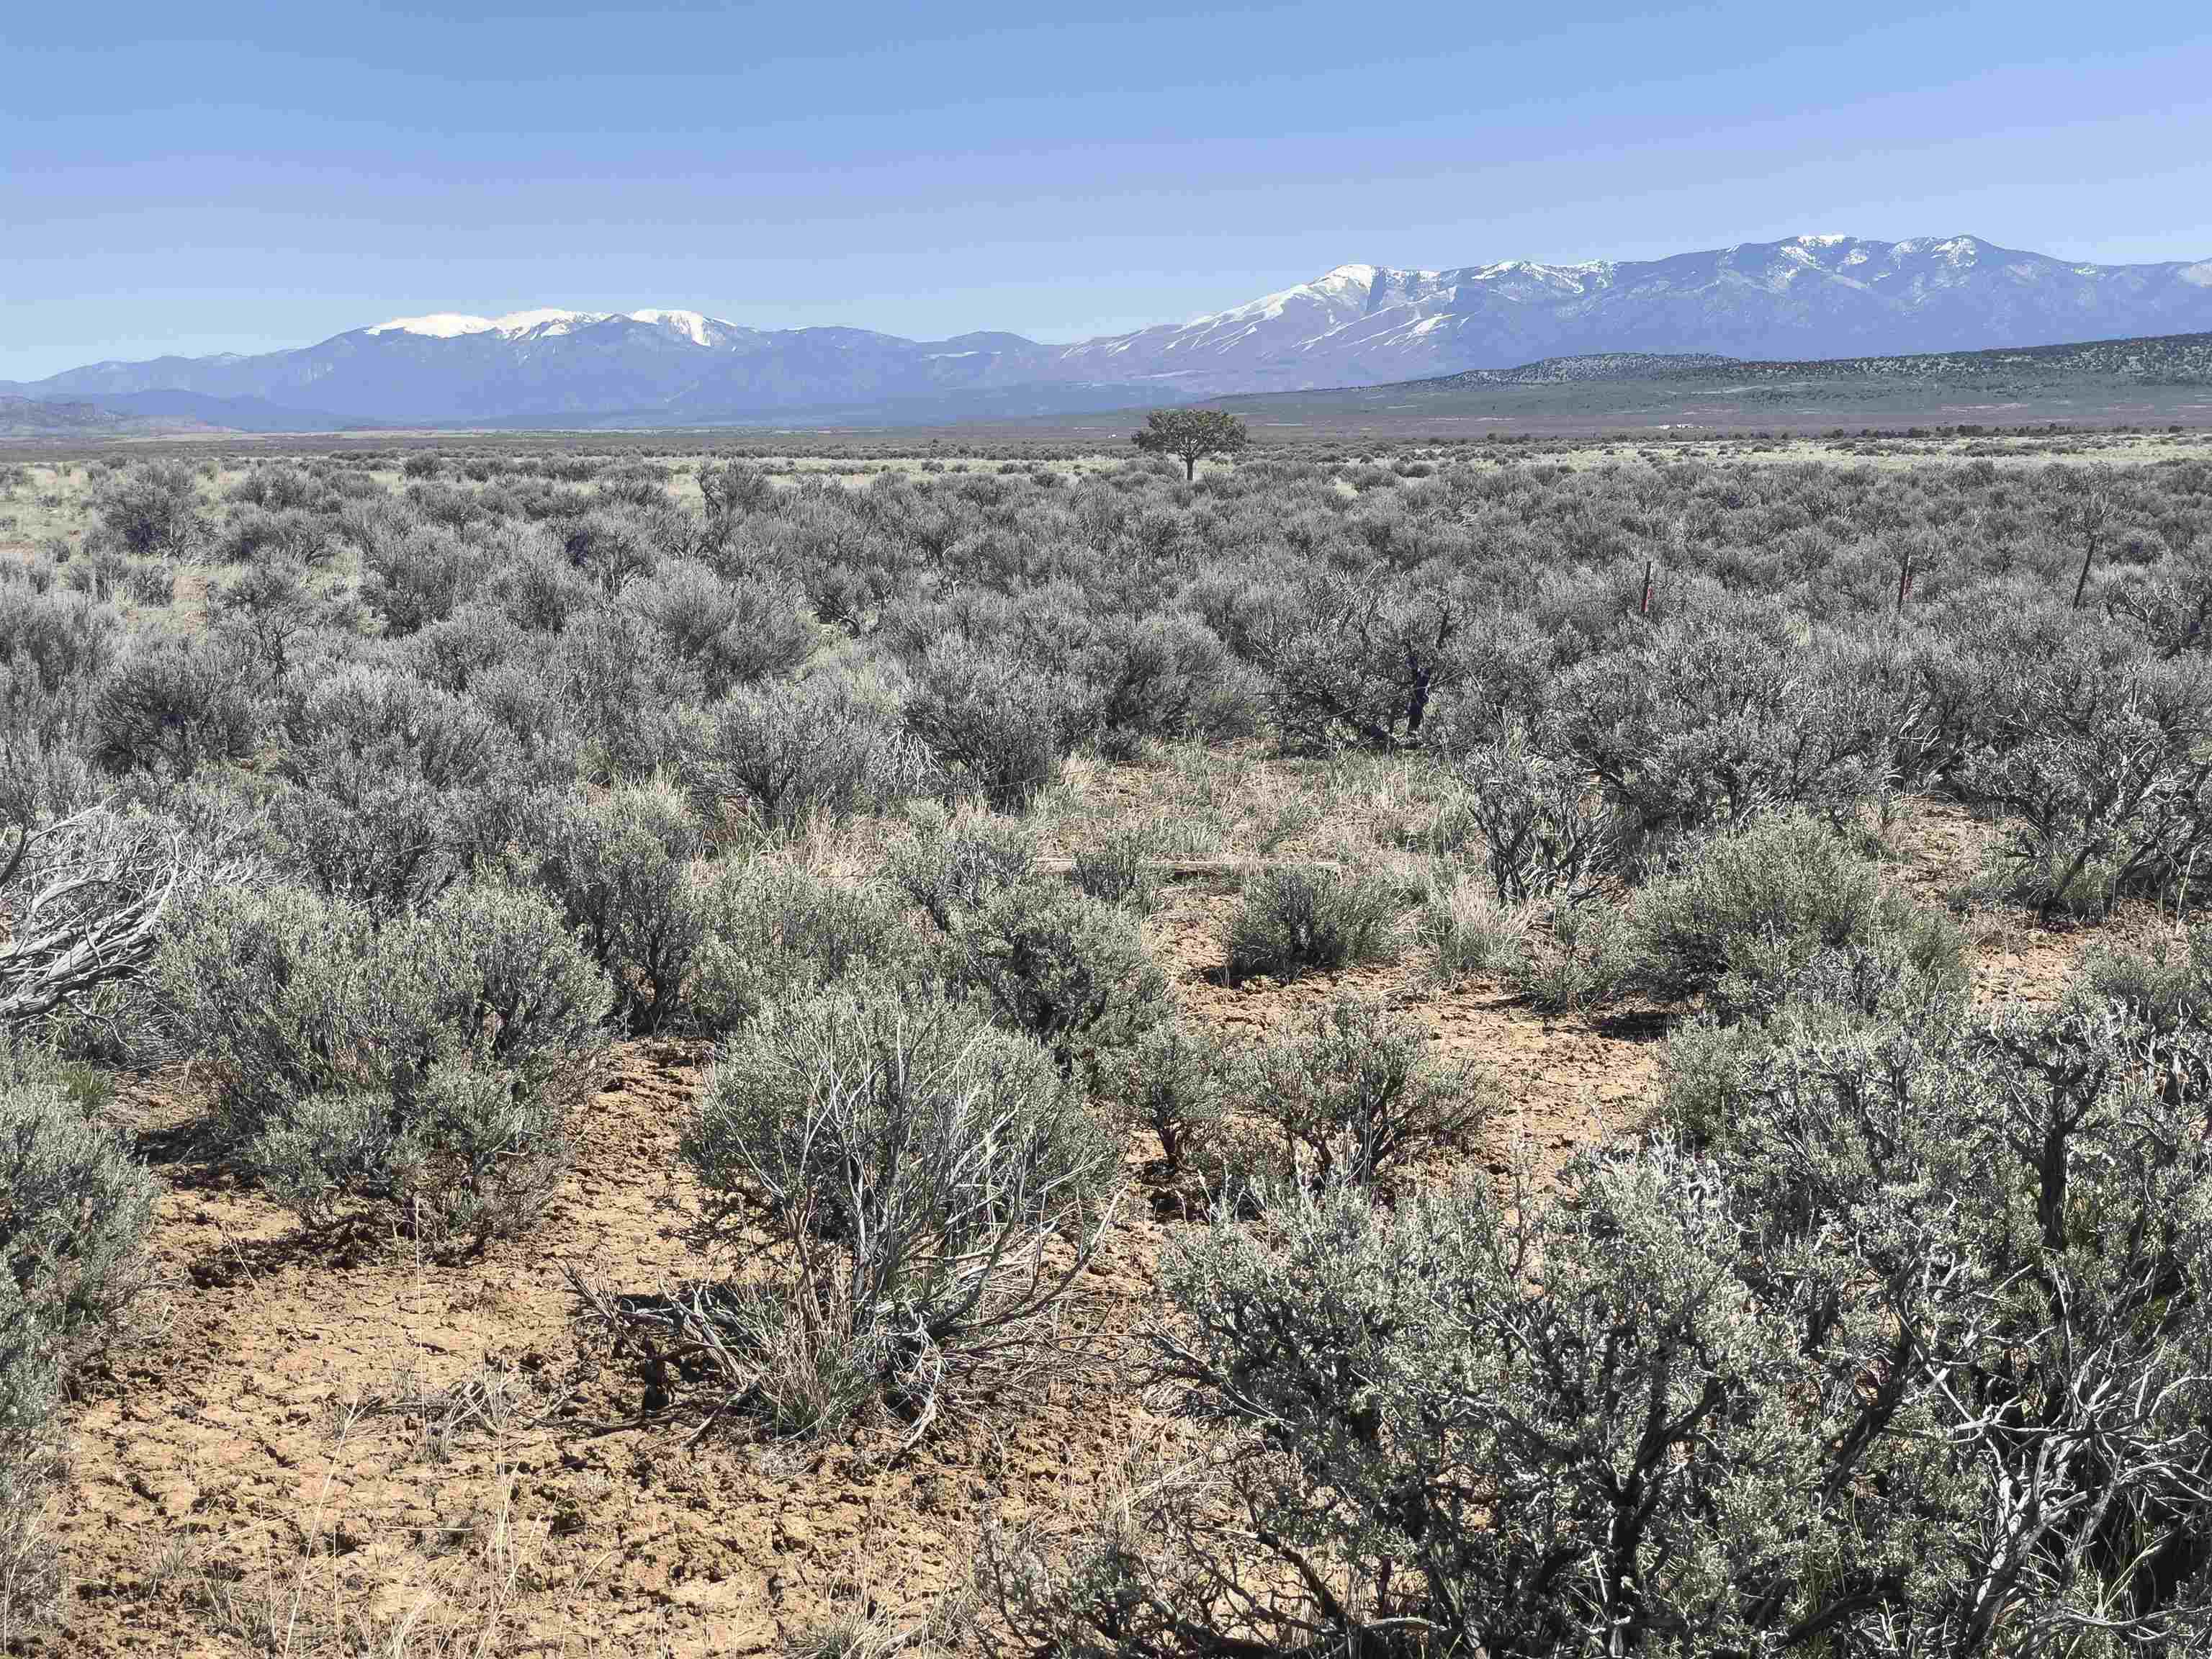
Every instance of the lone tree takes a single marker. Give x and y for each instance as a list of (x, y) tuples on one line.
[(1192, 435)]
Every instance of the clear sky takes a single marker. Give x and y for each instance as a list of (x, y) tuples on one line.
[(222, 176)]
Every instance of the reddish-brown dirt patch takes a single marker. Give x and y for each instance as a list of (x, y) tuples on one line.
[(1567, 1080), (1939, 846)]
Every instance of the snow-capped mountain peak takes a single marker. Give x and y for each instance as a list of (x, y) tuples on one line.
[(691, 324), (546, 321), (1344, 276), (438, 326), (452, 325)]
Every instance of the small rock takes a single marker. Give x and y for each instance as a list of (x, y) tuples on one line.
[(178, 1498)]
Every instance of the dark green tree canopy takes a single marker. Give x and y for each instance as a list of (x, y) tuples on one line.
[(1191, 436)]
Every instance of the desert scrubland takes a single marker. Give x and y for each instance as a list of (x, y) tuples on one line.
[(1529, 1049)]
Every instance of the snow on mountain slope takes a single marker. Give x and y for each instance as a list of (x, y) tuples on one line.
[(451, 325), (1805, 297), (697, 329), (549, 320)]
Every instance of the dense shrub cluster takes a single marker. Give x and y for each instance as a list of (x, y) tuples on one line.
[(421, 1065), (1492, 615), (1912, 1357), (1734, 918)]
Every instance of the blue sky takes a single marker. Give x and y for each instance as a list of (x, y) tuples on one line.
[(242, 177)]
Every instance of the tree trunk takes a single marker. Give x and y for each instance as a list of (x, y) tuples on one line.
[(2088, 552), (1190, 469)]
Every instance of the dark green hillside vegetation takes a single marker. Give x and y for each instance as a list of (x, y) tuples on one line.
[(2159, 378), (370, 807), (2156, 360)]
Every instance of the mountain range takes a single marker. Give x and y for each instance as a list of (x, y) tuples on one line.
[(1807, 297)]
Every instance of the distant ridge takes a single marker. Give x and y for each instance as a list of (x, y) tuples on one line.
[(2154, 380), (141, 412), (2155, 360)]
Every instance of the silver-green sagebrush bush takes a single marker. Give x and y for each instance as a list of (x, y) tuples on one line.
[(952, 864), (998, 724), (1142, 679), (2030, 1200), (1731, 712), (729, 632), (1747, 911), (1419, 1455), (1296, 918), (173, 706), (2106, 800), (1720, 1056), (262, 538), (787, 756), (1173, 1080), (1355, 1092), (933, 1184), (153, 511), (416, 576), (1071, 971), (2083, 736), (74, 1211), (1354, 658), (2166, 984), (1740, 916), (1062, 968), (612, 682), (1540, 827), (1118, 870), (396, 787), (621, 864), (423, 1065), (774, 928), (32, 1462)]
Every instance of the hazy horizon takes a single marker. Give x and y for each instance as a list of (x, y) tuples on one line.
[(253, 178)]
